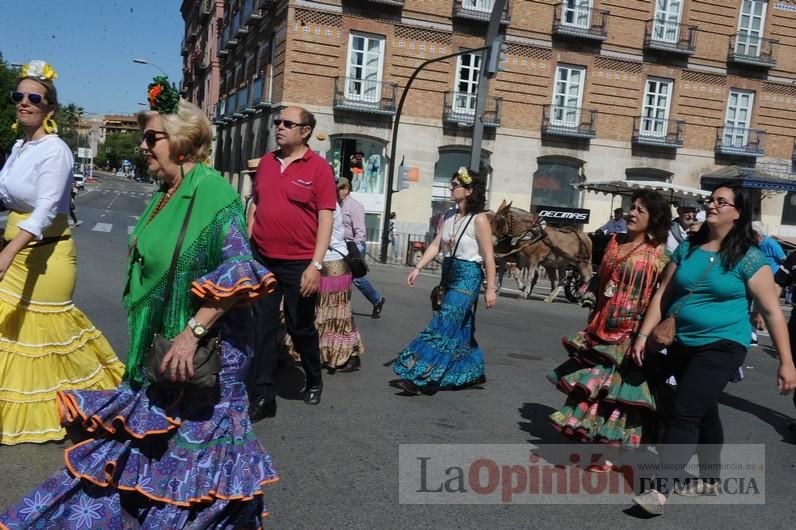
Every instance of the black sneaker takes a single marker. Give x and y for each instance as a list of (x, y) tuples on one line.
[(377, 307)]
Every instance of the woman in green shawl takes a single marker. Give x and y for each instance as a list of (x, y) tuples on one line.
[(170, 456)]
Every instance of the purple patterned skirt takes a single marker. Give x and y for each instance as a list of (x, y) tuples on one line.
[(157, 458)]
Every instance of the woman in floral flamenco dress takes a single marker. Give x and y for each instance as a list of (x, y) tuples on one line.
[(170, 455), (608, 395)]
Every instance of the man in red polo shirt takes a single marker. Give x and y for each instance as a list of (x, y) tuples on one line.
[(294, 198)]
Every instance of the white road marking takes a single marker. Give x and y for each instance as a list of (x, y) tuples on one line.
[(102, 227)]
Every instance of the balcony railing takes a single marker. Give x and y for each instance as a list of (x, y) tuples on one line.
[(206, 8), (259, 101), (750, 50), (572, 122), (221, 110), (479, 10), (571, 20), (670, 37), (460, 109), (658, 132), (232, 108), (399, 3), (364, 95), (736, 141), (244, 105)]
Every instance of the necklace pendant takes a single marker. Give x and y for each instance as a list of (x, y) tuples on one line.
[(610, 289)]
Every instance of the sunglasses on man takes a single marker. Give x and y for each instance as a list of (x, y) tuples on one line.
[(150, 137), (34, 98), (288, 124)]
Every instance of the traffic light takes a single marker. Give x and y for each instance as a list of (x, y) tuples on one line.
[(497, 54)]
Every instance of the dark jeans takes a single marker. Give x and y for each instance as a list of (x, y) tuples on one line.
[(792, 335), (300, 320), (693, 425)]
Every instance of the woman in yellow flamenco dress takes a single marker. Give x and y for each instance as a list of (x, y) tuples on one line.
[(46, 343)]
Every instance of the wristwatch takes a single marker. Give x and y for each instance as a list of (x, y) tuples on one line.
[(317, 265), (198, 329)]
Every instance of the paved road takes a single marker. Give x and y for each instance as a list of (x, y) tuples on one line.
[(339, 460)]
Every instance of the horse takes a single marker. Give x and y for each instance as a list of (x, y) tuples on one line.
[(521, 237)]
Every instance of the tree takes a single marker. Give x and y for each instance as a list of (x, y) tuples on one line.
[(68, 118), (118, 147), (8, 111)]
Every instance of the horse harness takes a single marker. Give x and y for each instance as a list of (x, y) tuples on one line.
[(537, 232)]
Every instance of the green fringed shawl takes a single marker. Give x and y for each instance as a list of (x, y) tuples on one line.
[(151, 248)]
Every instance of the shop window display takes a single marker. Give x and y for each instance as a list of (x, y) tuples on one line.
[(360, 161)]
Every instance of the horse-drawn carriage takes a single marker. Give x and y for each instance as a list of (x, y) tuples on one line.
[(523, 241)]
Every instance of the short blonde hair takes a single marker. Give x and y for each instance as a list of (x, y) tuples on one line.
[(189, 130)]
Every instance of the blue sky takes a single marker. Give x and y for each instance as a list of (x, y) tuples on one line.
[(92, 43)]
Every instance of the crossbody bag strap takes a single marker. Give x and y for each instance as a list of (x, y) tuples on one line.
[(455, 248), (176, 256), (696, 284)]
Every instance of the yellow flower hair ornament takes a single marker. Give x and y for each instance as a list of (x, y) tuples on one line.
[(464, 176), (39, 70)]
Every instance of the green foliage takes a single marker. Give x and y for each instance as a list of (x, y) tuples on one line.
[(118, 147), (8, 83)]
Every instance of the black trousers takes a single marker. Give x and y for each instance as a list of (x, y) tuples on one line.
[(693, 424), (300, 320)]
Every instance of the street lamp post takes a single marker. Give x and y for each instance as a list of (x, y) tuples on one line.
[(142, 61), (385, 229)]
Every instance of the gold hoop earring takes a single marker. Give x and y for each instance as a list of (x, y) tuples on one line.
[(15, 126), (50, 127)]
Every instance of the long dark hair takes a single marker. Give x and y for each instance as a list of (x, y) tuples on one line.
[(476, 201), (659, 211), (740, 238)]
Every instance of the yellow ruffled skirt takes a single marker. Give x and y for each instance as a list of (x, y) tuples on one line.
[(46, 343)]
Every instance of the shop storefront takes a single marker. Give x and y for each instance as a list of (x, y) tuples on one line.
[(363, 162)]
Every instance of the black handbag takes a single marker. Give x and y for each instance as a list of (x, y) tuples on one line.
[(438, 292), (354, 259), (206, 360)]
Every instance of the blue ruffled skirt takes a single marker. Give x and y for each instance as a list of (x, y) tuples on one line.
[(445, 354)]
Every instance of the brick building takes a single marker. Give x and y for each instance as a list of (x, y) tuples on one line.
[(200, 68), (592, 90)]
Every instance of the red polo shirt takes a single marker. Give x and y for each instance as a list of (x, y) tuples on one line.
[(288, 200)]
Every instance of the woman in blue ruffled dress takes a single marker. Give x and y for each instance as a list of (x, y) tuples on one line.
[(445, 355), (149, 455)]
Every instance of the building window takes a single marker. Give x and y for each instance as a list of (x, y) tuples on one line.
[(467, 72), (657, 102), (739, 117), (553, 180), (577, 13), (667, 21), (750, 28), (567, 96), (789, 209), (364, 68), (478, 5)]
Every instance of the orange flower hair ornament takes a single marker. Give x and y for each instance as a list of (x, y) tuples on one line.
[(163, 96)]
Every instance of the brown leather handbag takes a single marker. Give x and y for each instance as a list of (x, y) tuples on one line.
[(666, 329)]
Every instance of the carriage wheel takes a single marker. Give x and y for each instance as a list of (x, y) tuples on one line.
[(572, 284)]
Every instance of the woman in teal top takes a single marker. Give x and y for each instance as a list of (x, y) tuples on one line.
[(723, 266)]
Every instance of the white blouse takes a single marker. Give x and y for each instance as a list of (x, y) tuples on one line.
[(36, 178), (337, 242), (452, 228)]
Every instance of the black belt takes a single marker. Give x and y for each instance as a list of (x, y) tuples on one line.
[(47, 241)]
